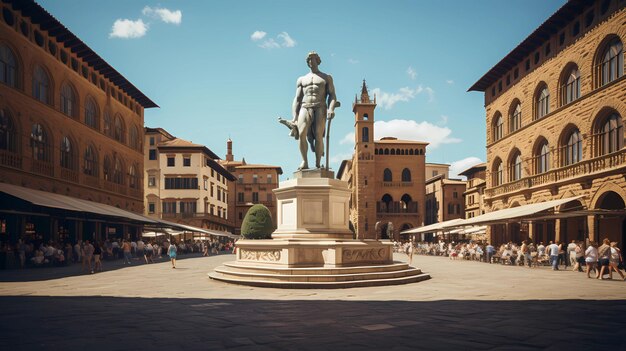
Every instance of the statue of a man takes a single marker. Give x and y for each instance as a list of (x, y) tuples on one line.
[(314, 103)]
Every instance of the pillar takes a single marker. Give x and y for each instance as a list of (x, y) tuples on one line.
[(531, 231), (557, 230), (591, 227)]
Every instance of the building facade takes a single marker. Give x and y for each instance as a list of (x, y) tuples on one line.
[(253, 185), (436, 169), (70, 125), (184, 183), (444, 199), (554, 110), (386, 178), (474, 194)]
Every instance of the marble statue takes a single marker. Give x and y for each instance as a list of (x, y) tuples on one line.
[(314, 104)]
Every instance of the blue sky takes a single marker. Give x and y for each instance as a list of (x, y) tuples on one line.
[(213, 81)]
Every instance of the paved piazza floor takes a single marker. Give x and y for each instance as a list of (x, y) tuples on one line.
[(466, 305)]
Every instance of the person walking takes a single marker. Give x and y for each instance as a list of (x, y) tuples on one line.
[(490, 251), (171, 251), (88, 250), (571, 253), (148, 252), (97, 257), (553, 250), (591, 258), (604, 258), (411, 251), (126, 248), (579, 257), (616, 259)]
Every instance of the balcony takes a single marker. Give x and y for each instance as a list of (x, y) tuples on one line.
[(396, 184), (42, 167), (69, 174), (584, 168), (396, 207), (10, 159)]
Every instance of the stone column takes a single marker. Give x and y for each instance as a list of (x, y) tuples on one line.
[(531, 231), (557, 230), (591, 227)]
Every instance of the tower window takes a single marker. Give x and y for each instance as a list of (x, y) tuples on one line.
[(365, 135)]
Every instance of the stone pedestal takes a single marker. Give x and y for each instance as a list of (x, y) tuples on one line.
[(312, 246)]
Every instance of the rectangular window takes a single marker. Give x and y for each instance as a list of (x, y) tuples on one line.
[(435, 173), (269, 197), (455, 195), (188, 207), (212, 173), (171, 161), (152, 154), (212, 189), (187, 161), (240, 215), (151, 181), (219, 194), (547, 50), (151, 207), (151, 141), (206, 184), (169, 207), (527, 65), (241, 179), (212, 210), (269, 179), (240, 197), (515, 73), (181, 183), (255, 178), (255, 197)]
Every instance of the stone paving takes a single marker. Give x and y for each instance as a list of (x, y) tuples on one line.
[(467, 305)]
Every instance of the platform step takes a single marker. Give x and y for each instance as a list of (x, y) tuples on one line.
[(245, 267), (321, 285)]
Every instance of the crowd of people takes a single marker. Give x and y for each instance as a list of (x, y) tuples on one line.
[(604, 259), (90, 253)]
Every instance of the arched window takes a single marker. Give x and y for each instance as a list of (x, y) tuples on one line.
[(132, 177), (497, 173), (612, 135), (68, 100), (8, 67), (497, 128), (132, 138), (8, 134), (543, 158), (39, 143), (570, 88), (411, 152), (612, 66), (387, 175), (365, 135), (406, 201), (387, 202), (406, 175), (386, 151), (41, 85), (573, 148), (67, 159), (91, 162), (393, 151), (118, 129), (118, 171), (91, 113), (106, 168), (542, 102), (515, 119), (515, 167)]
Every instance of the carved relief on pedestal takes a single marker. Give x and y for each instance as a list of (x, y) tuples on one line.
[(260, 255), (364, 255)]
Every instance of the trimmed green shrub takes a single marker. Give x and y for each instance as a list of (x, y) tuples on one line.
[(257, 224)]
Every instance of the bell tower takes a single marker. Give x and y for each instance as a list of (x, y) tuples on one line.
[(364, 146)]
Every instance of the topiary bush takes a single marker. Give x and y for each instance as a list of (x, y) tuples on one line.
[(257, 224)]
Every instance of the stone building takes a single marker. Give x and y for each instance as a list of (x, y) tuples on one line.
[(253, 185), (474, 194), (434, 169), (386, 177), (184, 182), (554, 109), (444, 199), (71, 131)]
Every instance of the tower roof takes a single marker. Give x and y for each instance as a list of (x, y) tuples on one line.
[(365, 96)]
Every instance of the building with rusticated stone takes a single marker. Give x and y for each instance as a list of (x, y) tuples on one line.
[(386, 178), (474, 194), (555, 107)]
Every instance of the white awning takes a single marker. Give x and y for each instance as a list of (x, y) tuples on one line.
[(189, 228), (508, 214), (52, 200), (433, 227)]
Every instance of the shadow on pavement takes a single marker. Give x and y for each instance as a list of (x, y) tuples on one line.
[(111, 323), (75, 269)]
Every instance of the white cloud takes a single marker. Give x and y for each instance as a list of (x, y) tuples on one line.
[(128, 29), (388, 100), (282, 40), (411, 72), (353, 61), (258, 35), (450, 81), (288, 41), (165, 15), (347, 139), (459, 166), (409, 130)]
